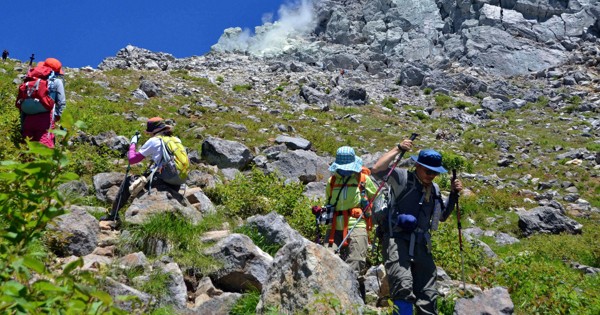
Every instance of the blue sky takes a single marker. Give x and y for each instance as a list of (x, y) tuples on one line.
[(84, 32)]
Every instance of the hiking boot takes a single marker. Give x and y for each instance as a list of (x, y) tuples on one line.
[(137, 186)]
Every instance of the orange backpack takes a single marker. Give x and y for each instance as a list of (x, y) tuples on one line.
[(364, 172)]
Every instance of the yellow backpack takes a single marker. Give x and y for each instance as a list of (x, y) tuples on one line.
[(175, 164)]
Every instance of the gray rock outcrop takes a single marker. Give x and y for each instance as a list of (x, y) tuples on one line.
[(225, 153), (301, 274), (547, 220), (245, 266), (493, 301), (75, 232)]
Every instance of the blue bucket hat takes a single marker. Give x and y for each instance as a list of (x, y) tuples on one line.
[(430, 159), (346, 159)]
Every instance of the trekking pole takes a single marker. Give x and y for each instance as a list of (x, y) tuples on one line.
[(460, 244), (31, 60), (413, 136), (117, 204)]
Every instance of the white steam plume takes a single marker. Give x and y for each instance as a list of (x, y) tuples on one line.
[(295, 20)]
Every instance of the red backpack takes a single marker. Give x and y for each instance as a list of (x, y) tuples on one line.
[(34, 96)]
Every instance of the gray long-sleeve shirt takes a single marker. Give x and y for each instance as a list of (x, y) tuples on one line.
[(57, 92)]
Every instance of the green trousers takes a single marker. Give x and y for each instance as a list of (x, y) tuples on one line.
[(412, 280), (355, 254)]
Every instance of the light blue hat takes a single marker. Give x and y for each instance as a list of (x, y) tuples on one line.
[(346, 159)]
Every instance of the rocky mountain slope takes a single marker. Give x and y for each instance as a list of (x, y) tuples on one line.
[(511, 86)]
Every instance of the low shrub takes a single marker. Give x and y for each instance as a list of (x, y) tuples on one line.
[(242, 88)]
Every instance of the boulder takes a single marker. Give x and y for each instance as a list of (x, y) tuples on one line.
[(547, 220), (75, 233), (301, 276), (245, 266), (300, 165), (225, 153), (275, 229), (159, 201), (491, 301)]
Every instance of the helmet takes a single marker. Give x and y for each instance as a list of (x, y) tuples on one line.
[(55, 65)]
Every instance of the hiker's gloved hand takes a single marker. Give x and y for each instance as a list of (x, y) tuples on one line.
[(405, 145), (135, 139), (456, 185)]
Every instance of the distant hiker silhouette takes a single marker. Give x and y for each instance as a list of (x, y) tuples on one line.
[(4, 54)]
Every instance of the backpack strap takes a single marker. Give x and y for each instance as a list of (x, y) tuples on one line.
[(166, 153), (335, 212), (362, 186), (406, 186)]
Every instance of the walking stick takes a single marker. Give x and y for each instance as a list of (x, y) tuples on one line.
[(413, 136), (31, 60), (460, 244), (122, 196)]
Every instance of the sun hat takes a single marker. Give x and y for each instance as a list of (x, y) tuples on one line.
[(346, 159), (54, 64), (430, 159), (156, 125)]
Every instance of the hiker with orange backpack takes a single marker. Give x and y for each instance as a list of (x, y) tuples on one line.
[(348, 190), (41, 101), (415, 208)]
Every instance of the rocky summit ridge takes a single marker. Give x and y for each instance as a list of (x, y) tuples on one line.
[(467, 47), (511, 37)]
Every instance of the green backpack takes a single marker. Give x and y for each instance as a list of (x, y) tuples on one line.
[(175, 163)]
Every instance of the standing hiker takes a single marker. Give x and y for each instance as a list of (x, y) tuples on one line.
[(4, 54), (41, 101), (170, 158), (56, 85), (347, 192), (415, 208)]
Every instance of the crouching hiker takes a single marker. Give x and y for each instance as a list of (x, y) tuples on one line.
[(171, 163), (415, 208), (348, 192)]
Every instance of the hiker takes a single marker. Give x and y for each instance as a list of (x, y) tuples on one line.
[(161, 136), (348, 191), (4, 55), (56, 86), (39, 113), (415, 208)]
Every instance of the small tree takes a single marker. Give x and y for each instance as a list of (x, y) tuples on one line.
[(28, 201)]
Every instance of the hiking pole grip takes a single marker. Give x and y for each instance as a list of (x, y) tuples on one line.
[(412, 137)]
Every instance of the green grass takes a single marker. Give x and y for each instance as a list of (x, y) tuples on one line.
[(242, 88), (157, 283), (180, 234), (389, 102), (442, 100), (259, 239), (259, 193), (247, 304)]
